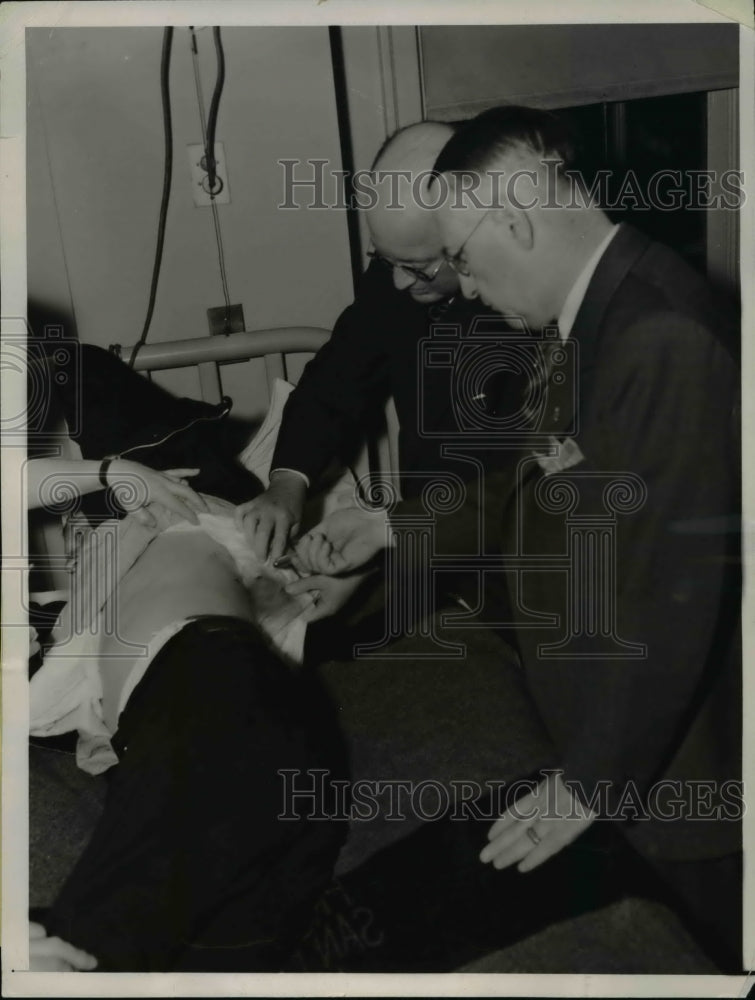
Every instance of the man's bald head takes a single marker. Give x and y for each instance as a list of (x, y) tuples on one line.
[(402, 226), (414, 147)]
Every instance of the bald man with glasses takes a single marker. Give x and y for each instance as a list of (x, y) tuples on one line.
[(373, 354)]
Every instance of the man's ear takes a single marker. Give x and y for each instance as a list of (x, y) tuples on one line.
[(518, 225)]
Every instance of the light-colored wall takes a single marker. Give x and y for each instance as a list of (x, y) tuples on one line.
[(95, 160), (384, 91)]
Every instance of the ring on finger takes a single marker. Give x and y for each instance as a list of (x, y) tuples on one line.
[(533, 835)]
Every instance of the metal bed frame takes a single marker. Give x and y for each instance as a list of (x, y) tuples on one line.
[(207, 352), (272, 344)]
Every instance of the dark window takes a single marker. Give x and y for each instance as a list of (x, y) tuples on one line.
[(635, 141)]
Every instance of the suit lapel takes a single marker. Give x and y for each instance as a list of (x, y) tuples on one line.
[(622, 253)]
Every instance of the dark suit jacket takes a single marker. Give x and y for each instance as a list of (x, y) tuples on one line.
[(657, 696), (379, 349)]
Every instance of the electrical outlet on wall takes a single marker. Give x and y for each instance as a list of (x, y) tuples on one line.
[(200, 182), (226, 319)]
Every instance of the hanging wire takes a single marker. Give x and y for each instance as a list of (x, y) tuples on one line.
[(198, 83), (208, 141), (221, 263), (214, 107), (167, 175)]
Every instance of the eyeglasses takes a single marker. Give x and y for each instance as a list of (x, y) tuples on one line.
[(414, 272), (454, 260)]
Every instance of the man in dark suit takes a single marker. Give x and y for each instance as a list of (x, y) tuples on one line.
[(373, 354), (625, 504)]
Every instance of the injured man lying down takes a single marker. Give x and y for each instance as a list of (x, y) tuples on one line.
[(174, 658)]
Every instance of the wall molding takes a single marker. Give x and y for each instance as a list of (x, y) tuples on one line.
[(383, 82), (722, 229)]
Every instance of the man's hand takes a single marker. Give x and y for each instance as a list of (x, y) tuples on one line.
[(271, 518), (330, 593), (343, 542), (50, 954), (556, 817), (135, 486)]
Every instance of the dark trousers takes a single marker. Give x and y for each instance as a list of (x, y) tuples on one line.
[(707, 894), (190, 867), (426, 904)]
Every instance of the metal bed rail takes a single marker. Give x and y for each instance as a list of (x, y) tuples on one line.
[(207, 352), (272, 344)]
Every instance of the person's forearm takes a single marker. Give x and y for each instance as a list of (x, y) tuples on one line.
[(46, 476), (310, 437), (347, 380)]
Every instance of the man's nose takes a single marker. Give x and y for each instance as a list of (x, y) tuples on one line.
[(402, 279), (468, 286)]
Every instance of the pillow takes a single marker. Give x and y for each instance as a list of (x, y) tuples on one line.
[(258, 454), (338, 491)]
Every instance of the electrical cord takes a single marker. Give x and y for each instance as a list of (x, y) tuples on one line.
[(221, 262), (198, 84), (212, 120), (167, 175), (218, 180)]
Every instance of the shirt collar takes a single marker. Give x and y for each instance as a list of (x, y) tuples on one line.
[(578, 291)]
